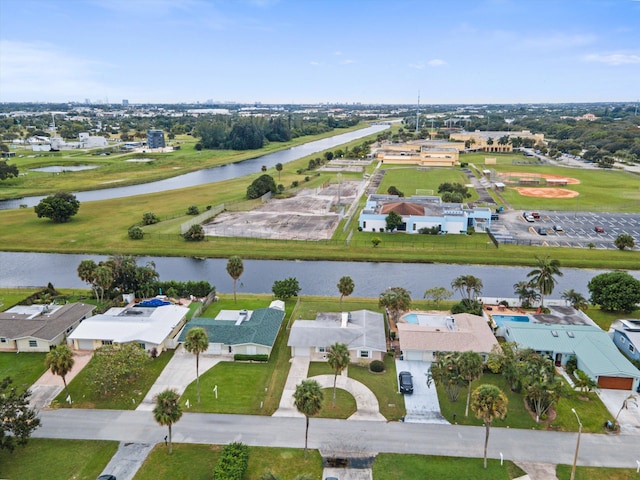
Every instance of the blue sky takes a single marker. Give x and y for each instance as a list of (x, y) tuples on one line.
[(309, 51)]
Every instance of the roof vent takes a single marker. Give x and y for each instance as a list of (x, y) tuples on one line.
[(570, 334), (554, 333)]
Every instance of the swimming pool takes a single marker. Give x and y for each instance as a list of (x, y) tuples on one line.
[(411, 318), (500, 319)]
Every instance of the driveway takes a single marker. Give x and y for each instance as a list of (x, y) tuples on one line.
[(127, 460), (179, 373), (423, 406), (48, 386), (629, 418)]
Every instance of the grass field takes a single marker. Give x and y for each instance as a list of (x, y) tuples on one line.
[(196, 462), (563, 472), (408, 179), (57, 459), (23, 368), (591, 409), (85, 395)]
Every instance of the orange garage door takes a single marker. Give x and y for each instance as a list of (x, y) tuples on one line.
[(615, 383)]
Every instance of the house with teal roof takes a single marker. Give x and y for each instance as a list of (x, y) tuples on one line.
[(592, 347), (247, 332)]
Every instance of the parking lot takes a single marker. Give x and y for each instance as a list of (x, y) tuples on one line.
[(578, 228)]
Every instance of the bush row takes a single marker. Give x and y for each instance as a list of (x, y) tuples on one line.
[(254, 358), (232, 463)]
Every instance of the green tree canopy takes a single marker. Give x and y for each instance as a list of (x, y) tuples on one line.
[(470, 366), (167, 411), (308, 399), (17, 420), (469, 285), (7, 171), (60, 361), (195, 233), (113, 366), (395, 300), (345, 287), (615, 291), (285, 289), (544, 275), (624, 240), (575, 299), (489, 403), (261, 185), (197, 342), (59, 207), (338, 359), (393, 221), (235, 267)]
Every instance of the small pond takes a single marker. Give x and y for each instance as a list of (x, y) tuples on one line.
[(64, 168)]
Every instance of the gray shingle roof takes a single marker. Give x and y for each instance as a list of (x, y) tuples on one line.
[(46, 326)]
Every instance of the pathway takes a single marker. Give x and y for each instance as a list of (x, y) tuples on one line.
[(48, 386), (297, 373), (179, 373)]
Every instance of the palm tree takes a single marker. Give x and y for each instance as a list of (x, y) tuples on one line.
[(197, 342), (308, 400), (345, 287), (489, 403), (470, 366), (235, 267), (575, 299), (60, 361), (543, 276), (526, 292), (338, 358), (167, 411), (468, 284), (278, 169)]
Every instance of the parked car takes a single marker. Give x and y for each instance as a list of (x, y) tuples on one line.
[(495, 216), (599, 229), (530, 219), (558, 228), (535, 215), (542, 231), (107, 477), (406, 382)]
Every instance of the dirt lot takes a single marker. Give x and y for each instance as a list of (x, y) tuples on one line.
[(312, 214)]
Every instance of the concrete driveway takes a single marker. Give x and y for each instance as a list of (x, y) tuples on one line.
[(127, 460), (48, 386), (629, 418), (178, 374), (423, 405)]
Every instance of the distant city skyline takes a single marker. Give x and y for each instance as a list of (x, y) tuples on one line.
[(313, 51)]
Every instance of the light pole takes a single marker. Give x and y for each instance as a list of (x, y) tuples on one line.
[(575, 457)]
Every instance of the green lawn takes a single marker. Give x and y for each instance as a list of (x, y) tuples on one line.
[(345, 404), (592, 412), (390, 466), (57, 459), (10, 297), (563, 472), (604, 319), (24, 368), (85, 395), (196, 462)]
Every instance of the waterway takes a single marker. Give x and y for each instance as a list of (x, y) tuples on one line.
[(315, 277), (210, 175)]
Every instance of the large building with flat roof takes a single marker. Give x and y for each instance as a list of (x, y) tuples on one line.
[(155, 139)]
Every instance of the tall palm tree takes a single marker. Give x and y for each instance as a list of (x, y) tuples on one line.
[(278, 169), (338, 358), (60, 361), (489, 403), (468, 284), (345, 287), (575, 299), (470, 366), (167, 411), (197, 342), (526, 293), (235, 267), (308, 400), (543, 276)]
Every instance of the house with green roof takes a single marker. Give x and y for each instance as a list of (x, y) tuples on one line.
[(248, 332), (592, 347)]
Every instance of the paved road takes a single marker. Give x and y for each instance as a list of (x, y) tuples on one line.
[(396, 437)]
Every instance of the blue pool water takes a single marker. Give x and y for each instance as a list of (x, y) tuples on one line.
[(500, 319), (411, 318)]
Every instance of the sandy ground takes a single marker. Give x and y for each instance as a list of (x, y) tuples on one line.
[(546, 192), (546, 176)]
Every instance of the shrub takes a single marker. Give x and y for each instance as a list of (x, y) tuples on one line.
[(376, 366), (135, 233), (435, 230), (232, 463), (307, 178), (149, 218), (193, 210), (375, 241), (295, 183), (467, 306), (261, 357), (572, 365), (194, 234)]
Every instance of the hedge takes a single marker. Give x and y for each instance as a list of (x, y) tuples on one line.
[(232, 463), (242, 357)]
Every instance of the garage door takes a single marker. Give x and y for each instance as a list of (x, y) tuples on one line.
[(615, 383), (85, 344)]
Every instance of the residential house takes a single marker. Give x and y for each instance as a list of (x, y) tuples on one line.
[(38, 328), (150, 327), (626, 336), (461, 332), (595, 352), (422, 212), (248, 332), (362, 331)]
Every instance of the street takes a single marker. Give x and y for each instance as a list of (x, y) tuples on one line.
[(394, 437)]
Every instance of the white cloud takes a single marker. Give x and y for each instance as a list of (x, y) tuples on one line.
[(436, 62), (347, 62), (418, 66), (40, 70), (613, 59), (315, 64)]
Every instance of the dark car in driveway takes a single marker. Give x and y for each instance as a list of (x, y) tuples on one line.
[(406, 382)]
